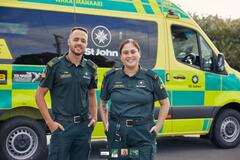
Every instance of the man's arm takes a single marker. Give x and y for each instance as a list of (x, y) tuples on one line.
[(42, 105), (92, 106)]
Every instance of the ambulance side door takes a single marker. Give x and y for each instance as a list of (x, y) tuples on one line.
[(185, 79)]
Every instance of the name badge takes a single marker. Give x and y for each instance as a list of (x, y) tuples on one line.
[(65, 75), (118, 84)]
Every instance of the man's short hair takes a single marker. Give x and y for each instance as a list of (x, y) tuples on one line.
[(79, 28)]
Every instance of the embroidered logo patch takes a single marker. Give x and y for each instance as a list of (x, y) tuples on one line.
[(141, 84), (86, 75)]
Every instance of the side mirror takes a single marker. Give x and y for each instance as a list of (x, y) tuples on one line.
[(220, 62)]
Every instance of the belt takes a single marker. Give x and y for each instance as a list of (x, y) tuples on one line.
[(73, 119), (131, 122)]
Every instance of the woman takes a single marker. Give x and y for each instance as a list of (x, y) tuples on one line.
[(132, 91)]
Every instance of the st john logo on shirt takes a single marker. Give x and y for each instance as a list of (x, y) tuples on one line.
[(141, 84)]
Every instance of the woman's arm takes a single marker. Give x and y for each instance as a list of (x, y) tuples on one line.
[(162, 115), (103, 110)]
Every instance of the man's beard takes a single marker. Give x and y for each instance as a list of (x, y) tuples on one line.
[(77, 53)]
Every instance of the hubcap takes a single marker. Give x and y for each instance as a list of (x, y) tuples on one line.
[(22, 143), (230, 129)]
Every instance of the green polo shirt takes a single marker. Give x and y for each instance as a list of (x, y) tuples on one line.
[(133, 96), (69, 85)]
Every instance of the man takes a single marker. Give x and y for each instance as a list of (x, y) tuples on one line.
[(71, 80)]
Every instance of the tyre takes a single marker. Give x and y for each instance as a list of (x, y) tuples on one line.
[(226, 131), (22, 138)]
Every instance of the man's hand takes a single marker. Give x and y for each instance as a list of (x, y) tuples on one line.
[(53, 126)]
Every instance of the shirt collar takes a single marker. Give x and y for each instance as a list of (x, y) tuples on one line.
[(69, 63), (66, 60), (139, 74)]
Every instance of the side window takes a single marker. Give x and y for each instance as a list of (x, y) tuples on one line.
[(37, 36), (207, 55), (190, 48), (185, 45), (33, 36), (106, 34)]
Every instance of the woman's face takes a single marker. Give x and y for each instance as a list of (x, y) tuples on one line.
[(130, 56)]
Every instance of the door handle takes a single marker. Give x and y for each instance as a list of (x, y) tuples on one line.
[(179, 77)]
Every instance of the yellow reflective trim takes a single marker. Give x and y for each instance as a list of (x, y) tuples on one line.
[(185, 84), (187, 125), (138, 5), (23, 98), (220, 98), (4, 51), (155, 7), (26, 98)]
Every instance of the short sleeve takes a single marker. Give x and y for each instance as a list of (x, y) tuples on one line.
[(47, 78), (105, 93), (94, 81), (159, 92)]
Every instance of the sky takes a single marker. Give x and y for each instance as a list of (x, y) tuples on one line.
[(223, 8)]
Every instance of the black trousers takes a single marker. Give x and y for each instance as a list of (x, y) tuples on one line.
[(73, 143), (136, 138)]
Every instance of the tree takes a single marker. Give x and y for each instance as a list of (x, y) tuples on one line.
[(225, 34)]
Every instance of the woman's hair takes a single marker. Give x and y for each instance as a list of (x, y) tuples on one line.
[(126, 41)]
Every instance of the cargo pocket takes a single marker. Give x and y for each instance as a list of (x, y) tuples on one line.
[(53, 153)]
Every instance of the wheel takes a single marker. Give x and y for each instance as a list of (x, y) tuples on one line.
[(22, 138), (226, 131)]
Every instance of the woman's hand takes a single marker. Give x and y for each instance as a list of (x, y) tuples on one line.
[(92, 123), (155, 128)]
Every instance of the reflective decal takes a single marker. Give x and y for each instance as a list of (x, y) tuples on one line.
[(3, 77), (26, 76), (195, 79), (101, 36)]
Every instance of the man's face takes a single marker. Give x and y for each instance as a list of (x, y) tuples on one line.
[(77, 42)]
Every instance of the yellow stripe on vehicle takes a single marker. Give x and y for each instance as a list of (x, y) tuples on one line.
[(155, 7), (4, 51), (138, 5)]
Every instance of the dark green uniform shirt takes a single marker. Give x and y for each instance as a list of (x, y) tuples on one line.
[(134, 96), (69, 85)]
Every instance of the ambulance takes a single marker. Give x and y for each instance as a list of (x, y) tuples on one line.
[(204, 91)]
